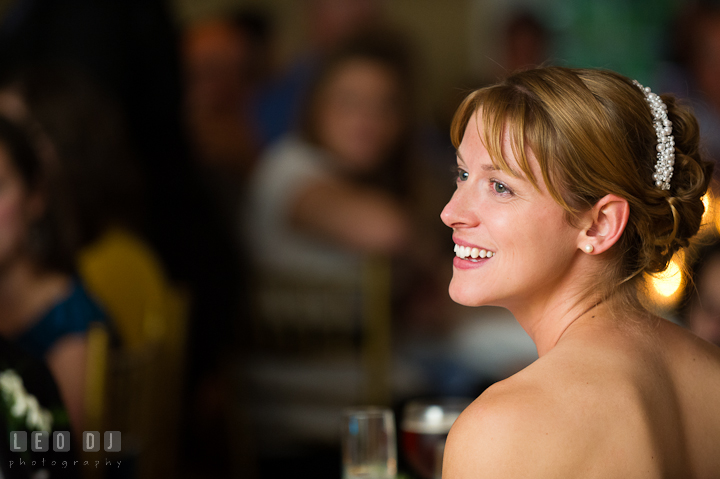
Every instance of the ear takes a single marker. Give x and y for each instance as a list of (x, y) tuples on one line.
[(604, 224)]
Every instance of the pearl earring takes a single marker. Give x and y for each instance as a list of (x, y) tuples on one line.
[(589, 248)]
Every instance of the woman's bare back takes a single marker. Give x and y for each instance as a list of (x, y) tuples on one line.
[(630, 401)]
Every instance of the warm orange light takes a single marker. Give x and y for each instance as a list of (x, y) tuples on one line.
[(669, 281), (713, 217), (664, 290), (709, 222), (707, 200)]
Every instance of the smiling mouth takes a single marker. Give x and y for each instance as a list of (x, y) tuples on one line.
[(472, 254)]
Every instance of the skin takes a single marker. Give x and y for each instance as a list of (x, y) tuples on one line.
[(359, 115), (707, 64), (359, 121), (216, 58), (611, 395), (27, 291), (329, 22)]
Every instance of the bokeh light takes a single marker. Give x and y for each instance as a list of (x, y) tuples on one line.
[(714, 217), (665, 288), (669, 281), (709, 223)]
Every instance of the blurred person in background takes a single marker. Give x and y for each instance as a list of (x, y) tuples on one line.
[(44, 306), (526, 42), (328, 24), (26, 381), (330, 181), (225, 61), (704, 62), (131, 49), (104, 211), (695, 68), (349, 182), (348, 185), (82, 137), (700, 309)]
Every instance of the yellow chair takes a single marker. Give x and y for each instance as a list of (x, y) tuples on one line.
[(135, 388), (124, 274)]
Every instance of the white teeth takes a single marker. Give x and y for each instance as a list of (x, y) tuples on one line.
[(474, 253)]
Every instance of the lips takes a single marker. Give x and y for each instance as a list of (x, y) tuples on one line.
[(469, 256)]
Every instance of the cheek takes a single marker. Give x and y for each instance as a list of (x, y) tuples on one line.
[(12, 217), (333, 125), (390, 128), (533, 242)]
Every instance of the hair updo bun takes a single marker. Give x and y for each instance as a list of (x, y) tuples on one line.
[(592, 134), (689, 183)]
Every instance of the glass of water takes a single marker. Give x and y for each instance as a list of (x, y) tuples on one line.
[(369, 444)]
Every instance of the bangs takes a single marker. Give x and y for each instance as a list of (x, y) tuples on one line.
[(512, 113)]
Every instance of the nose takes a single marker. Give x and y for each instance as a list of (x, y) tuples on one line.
[(458, 212)]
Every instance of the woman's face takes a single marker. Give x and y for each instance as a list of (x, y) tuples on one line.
[(531, 244), (17, 208), (216, 56), (359, 114)]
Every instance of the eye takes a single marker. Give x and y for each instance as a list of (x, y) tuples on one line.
[(500, 188), (461, 175)]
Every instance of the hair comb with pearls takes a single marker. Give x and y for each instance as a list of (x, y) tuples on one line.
[(665, 141)]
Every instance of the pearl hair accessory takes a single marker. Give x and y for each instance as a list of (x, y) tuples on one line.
[(588, 248), (665, 141)]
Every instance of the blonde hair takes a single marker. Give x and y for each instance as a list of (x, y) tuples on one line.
[(592, 134)]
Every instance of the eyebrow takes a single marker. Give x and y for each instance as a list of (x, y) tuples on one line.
[(490, 167), (484, 167)]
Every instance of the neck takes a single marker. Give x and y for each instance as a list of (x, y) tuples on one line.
[(26, 292), (16, 277), (547, 314), (546, 329)]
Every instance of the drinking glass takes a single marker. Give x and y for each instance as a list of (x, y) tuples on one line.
[(369, 444), (424, 429)]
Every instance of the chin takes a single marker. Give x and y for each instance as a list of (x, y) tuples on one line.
[(364, 164), (465, 296)]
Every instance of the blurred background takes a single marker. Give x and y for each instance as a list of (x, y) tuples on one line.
[(223, 227)]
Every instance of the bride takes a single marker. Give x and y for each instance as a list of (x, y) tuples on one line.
[(571, 185)]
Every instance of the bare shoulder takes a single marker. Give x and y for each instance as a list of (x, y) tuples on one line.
[(685, 345), (600, 405), (516, 428), (565, 414)]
